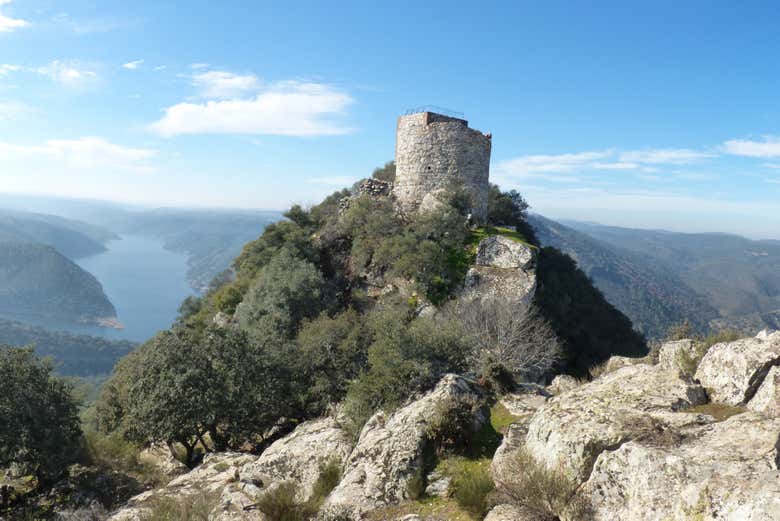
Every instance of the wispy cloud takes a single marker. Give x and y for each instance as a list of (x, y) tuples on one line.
[(6, 68), (665, 156), (133, 65), (287, 109), (551, 166), (769, 147), (85, 153), (70, 73), (8, 24), (222, 84)]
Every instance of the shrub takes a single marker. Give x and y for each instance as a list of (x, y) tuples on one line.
[(329, 476), (545, 494), (39, 425), (472, 484), (280, 503), (688, 362)]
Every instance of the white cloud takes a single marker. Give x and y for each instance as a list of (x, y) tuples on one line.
[(338, 180), (666, 156), (769, 147), (88, 153), (196, 66), (221, 84), (541, 166), (561, 163), (69, 73), (161, 67), (133, 65), (8, 24), (5, 68), (287, 109)]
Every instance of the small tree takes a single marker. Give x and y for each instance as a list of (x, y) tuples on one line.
[(39, 423), (503, 335)]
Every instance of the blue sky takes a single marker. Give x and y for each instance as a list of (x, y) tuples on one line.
[(663, 115)]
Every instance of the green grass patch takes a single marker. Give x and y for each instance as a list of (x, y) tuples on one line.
[(483, 232), (501, 418), (472, 483)]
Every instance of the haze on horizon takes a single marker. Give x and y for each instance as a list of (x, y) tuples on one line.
[(655, 116)]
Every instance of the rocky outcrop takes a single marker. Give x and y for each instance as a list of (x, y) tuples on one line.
[(767, 398), (216, 483), (506, 513), (229, 484), (572, 429), (733, 371), (562, 383), (670, 352), (159, 456), (723, 471), (389, 451), (504, 269), (300, 455)]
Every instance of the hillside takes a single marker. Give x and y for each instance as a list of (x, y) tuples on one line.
[(739, 277), (653, 298), (38, 281), (73, 355), (74, 239)]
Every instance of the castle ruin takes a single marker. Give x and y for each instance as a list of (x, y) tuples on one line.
[(433, 150)]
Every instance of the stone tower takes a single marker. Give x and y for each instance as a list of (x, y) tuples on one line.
[(431, 151)]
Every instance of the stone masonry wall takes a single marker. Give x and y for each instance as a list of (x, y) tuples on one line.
[(432, 150)]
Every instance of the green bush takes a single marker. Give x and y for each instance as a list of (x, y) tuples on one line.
[(544, 494), (281, 503), (329, 476)]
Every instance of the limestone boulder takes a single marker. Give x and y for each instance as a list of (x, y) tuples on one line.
[(389, 451), (767, 398), (720, 471), (502, 252), (525, 399), (573, 428), (513, 440), (300, 455), (216, 484), (504, 269), (732, 372), (506, 513), (159, 457), (616, 362), (670, 352), (562, 383)]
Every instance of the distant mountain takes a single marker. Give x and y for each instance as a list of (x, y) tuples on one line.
[(74, 355), (211, 238), (38, 281), (737, 276), (74, 239), (652, 297)]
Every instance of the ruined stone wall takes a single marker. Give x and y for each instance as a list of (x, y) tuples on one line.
[(432, 150)]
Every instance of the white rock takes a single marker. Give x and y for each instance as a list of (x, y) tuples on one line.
[(504, 269), (563, 383), (767, 398), (389, 451), (506, 513), (733, 371), (669, 353), (721, 471), (502, 252), (299, 455), (572, 429)]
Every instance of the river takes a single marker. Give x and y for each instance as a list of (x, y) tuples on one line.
[(145, 282)]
